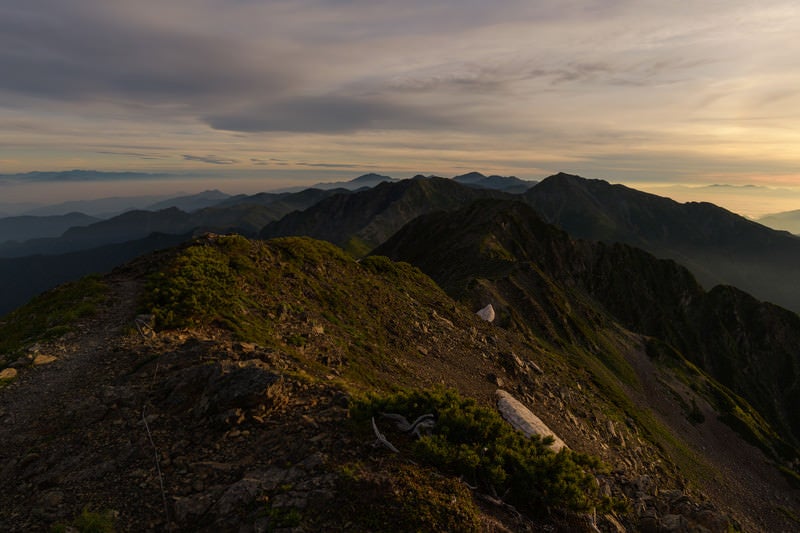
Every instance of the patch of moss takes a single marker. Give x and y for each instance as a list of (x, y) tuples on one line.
[(357, 247), (746, 421), (51, 314), (89, 522), (283, 517)]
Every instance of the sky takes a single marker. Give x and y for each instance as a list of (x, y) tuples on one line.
[(259, 94)]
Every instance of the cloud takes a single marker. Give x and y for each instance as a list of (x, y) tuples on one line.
[(268, 161), (210, 159), (331, 165), (327, 114), (403, 83), (76, 176), (90, 50), (137, 155)]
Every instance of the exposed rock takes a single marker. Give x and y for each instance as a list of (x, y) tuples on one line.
[(245, 387), (243, 491), (535, 367), (487, 313), (524, 420)]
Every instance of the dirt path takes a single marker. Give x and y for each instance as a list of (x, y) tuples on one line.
[(88, 361)]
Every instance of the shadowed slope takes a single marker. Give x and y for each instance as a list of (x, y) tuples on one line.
[(566, 290), (362, 220), (718, 246)]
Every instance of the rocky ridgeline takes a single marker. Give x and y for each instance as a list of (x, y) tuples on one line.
[(192, 429)]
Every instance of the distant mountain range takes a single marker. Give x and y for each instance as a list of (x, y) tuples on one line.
[(243, 214), (191, 202), (787, 220), (26, 227), (719, 247), (361, 220), (100, 207), (510, 184), (365, 180)]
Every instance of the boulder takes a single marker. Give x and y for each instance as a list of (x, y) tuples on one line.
[(519, 416)]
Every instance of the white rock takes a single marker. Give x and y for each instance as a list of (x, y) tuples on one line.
[(487, 313), (519, 416)]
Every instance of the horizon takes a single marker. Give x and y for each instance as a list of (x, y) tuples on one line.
[(273, 94), (751, 201)]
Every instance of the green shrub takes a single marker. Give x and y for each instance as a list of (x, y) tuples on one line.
[(90, 522), (195, 289), (476, 443)]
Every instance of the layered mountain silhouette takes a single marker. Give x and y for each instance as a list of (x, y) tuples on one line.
[(365, 180), (26, 227), (510, 184), (191, 202), (245, 214), (787, 220), (30, 267), (362, 220)]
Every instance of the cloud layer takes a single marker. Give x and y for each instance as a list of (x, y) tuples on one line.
[(622, 89)]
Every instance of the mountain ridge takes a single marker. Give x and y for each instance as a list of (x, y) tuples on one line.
[(653, 297), (259, 351), (361, 220), (718, 246)]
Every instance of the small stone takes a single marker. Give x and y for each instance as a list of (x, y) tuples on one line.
[(43, 359), (535, 367), (487, 313), (246, 347)]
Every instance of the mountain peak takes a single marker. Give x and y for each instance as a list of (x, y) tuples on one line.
[(469, 177), (371, 177)]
